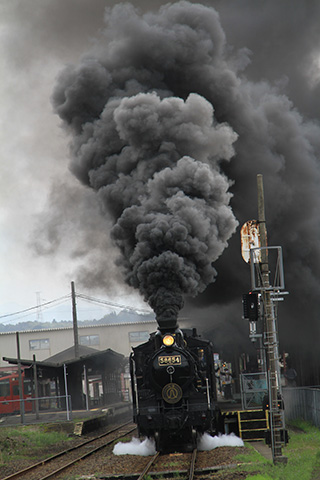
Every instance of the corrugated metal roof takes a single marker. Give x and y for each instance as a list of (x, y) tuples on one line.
[(68, 354), (54, 362)]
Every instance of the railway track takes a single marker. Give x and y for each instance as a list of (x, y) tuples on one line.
[(52, 466), (185, 474), (157, 467), (95, 457)]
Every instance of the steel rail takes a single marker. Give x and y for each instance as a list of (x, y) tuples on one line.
[(64, 452), (82, 457), (148, 466), (154, 458), (192, 464)]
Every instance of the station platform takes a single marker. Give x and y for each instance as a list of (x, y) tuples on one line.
[(72, 417)]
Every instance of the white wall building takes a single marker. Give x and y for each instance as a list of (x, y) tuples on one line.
[(45, 343)]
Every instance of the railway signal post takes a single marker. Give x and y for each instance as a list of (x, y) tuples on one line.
[(259, 251), (271, 340)]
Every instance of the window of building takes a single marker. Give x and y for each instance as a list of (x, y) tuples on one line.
[(15, 390), (27, 387), (89, 340), (41, 344), (4, 388), (138, 337)]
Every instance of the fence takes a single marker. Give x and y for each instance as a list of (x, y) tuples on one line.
[(302, 402), (253, 389), (37, 407)]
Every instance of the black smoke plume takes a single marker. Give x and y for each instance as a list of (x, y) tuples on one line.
[(152, 148), (167, 120)]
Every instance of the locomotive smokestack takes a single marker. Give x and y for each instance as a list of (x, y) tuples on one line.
[(166, 306), (167, 322)]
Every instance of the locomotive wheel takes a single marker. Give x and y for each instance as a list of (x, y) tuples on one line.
[(157, 438), (189, 441), (219, 424), (194, 438)]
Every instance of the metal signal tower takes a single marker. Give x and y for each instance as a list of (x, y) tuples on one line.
[(260, 282), (271, 337), (39, 311)]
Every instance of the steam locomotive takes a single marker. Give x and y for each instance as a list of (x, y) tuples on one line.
[(174, 389)]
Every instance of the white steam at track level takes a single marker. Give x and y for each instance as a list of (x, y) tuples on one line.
[(135, 447), (207, 442), (147, 447)]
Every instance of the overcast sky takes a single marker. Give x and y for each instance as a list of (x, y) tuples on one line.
[(37, 39)]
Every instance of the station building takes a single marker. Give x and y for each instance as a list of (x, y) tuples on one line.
[(95, 374), (49, 342)]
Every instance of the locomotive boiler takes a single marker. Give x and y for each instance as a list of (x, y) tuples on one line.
[(174, 389)]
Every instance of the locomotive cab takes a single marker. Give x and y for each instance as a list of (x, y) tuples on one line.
[(173, 386)]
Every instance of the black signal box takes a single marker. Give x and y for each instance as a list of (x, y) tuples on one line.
[(250, 303)]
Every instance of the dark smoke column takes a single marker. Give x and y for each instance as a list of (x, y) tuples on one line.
[(151, 151)]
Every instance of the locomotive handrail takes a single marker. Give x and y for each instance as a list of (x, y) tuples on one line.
[(208, 393), (136, 390)]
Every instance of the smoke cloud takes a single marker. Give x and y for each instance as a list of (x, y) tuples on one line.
[(153, 150), (170, 125)]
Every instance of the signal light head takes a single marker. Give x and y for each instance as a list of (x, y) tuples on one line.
[(168, 340)]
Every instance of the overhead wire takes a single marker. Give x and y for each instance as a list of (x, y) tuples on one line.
[(111, 304), (32, 312), (59, 301), (65, 297)]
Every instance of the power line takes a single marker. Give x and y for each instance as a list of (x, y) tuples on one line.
[(111, 304), (27, 314), (34, 308), (60, 300)]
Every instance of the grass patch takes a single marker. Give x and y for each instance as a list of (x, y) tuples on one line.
[(299, 424), (26, 442), (252, 457), (302, 451), (126, 439), (171, 464)]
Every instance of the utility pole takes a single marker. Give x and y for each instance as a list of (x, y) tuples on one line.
[(271, 341), (36, 389), (75, 321), (66, 390), (20, 379)]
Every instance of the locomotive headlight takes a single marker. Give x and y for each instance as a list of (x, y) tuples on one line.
[(168, 340)]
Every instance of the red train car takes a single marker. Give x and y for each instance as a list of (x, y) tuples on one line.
[(9, 394)]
